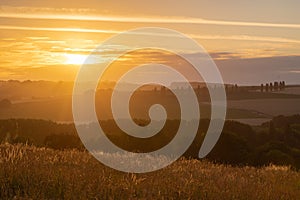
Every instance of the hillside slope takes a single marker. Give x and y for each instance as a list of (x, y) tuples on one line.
[(41, 173)]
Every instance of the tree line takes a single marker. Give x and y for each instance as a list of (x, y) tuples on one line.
[(276, 141)]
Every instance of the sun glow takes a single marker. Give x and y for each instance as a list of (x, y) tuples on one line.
[(74, 59)]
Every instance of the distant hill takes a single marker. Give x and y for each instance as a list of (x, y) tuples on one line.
[(24, 90)]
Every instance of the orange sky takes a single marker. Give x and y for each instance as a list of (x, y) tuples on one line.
[(50, 40)]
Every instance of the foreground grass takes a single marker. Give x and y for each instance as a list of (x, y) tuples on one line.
[(37, 173)]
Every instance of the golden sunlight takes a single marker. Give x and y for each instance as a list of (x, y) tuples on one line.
[(74, 59)]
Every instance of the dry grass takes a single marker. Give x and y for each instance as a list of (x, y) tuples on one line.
[(37, 173)]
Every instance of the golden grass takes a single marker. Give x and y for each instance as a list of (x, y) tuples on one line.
[(28, 172)]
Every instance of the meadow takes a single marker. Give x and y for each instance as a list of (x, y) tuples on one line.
[(28, 172)]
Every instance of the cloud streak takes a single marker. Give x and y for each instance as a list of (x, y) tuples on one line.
[(83, 15), (79, 30), (195, 36)]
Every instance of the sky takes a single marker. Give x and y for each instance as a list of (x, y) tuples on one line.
[(250, 41)]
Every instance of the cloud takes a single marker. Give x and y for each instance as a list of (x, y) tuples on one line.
[(295, 71), (38, 38), (245, 38), (245, 71), (195, 36), (80, 30), (92, 15)]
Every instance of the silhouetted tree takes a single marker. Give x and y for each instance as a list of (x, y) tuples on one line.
[(163, 90), (276, 86), (271, 87), (236, 88), (5, 103), (62, 141), (272, 129)]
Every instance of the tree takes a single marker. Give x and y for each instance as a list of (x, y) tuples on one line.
[(231, 148), (272, 129), (267, 87), (5, 103), (276, 86), (271, 87), (62, 141)]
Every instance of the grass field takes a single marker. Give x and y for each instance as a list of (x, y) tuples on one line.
[(291, 90), (268, 107), (28, 172)]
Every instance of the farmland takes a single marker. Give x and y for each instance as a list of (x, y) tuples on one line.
[(42, 173)]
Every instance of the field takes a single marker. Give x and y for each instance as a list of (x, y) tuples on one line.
[(268, 107), (27, 172), (291, 90), (60, 110)]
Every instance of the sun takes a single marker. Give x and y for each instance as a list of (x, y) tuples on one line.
[(74, 59)]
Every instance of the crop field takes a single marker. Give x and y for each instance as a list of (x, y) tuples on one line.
[(268, 107), (28, 172)]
